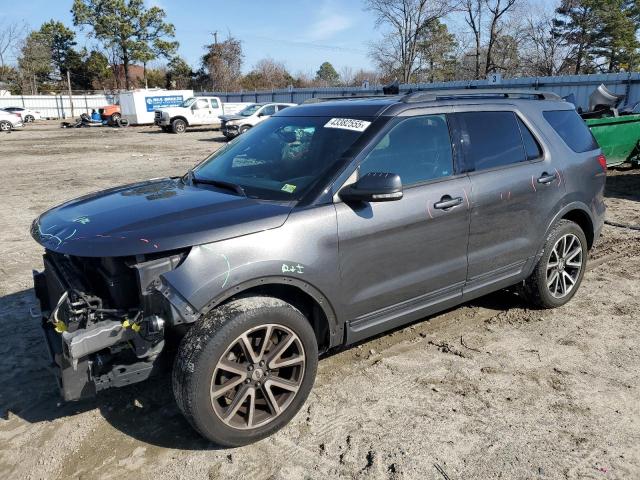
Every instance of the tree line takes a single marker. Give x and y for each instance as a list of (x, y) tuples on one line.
[(420, 41)]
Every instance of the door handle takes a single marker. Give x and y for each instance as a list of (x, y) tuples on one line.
[(545, 178), (447, 202)]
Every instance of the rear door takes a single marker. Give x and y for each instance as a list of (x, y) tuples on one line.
[(514, 189), (399, 258), (201, 109)]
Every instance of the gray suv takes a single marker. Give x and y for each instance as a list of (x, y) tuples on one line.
[(322, 226)]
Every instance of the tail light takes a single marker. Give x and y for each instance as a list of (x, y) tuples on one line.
[(602, 160)]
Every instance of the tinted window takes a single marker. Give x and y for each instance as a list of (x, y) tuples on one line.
[(268, 110), (490, 139), (282, 107), (214, 103), (417, 149), (531, 147), (572, 129)]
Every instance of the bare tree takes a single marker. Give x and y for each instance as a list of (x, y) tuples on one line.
[(545, 47), (497, 9), (405, 21), (473, 18), (11, 35)]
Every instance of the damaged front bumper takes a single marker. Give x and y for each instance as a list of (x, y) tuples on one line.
[(92, 346)]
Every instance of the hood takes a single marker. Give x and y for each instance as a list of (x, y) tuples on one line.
[(173, 111), (151, 217), (228, 118)]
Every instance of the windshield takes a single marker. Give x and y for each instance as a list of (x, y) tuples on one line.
[(188, 102), (282, 158), (250, 110)]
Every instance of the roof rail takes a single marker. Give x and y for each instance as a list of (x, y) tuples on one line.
[(431, 96), (345, 97)]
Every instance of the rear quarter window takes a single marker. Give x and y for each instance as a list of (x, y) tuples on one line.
[(572, 129)]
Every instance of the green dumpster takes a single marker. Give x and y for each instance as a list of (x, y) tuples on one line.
[(618, 137)]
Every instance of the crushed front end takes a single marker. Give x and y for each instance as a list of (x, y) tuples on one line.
[(105, 319)]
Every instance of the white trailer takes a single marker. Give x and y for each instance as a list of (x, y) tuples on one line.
[(138, 106)]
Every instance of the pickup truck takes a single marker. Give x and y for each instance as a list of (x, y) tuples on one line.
[(195, 111)]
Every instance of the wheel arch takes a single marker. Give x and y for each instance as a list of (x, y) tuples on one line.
[(302, 295), (578, 213), (179, 117)]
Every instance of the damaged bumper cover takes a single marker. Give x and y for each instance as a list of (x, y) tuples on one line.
[(94, 346)]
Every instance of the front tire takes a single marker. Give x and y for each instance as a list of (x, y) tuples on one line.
[(559, 272), (244, 371), (178, 126), (29, 119), (244, 129), (115, 117), (5, 126)]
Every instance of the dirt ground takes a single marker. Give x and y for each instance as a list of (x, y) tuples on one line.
[(487, 390)]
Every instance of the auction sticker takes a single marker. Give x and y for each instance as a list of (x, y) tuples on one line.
[(348, 124)]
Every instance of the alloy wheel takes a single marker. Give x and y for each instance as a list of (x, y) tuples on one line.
[(5, 126), (564, 265), (258, 376)]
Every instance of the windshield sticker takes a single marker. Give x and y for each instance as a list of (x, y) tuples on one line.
[(289, 188), (348, 124)]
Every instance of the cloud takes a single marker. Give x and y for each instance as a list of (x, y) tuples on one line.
[(328, 23)]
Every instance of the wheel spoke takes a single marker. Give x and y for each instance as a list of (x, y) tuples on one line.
[(551, 265), (568, 277), (248, 348), (288, 362), (563, 283), (228, 385), (252, 407), (280, 349), (232, 367), (237, 402), (271, 400), (282, 383), (573, 254), (568, 243), (265, 342), (553, 278)]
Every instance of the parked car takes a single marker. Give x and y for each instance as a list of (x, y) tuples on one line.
[(234, 125), (26, 114), (195, 111), (110, 113), (9, 121), (328, 224)]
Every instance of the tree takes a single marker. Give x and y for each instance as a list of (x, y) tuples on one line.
[(179, 74), (61, 41), (576, 22), (436, 48), (11, 34), (267, 74), (544, 47), (327, 74), (616, 43), (405, 21), (223, 64), (35, 62), (135, 32)]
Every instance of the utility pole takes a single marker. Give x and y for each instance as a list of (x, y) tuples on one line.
[(70, 94), (215, 37)]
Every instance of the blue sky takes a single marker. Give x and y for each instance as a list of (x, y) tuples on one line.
[(300, 33)]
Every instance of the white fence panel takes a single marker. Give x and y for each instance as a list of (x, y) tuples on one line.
[(57, 106)]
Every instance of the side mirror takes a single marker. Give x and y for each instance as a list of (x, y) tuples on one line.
[(374, 187)]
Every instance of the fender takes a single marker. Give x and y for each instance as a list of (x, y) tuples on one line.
[(336, 329), (179, 117), (575, 205)]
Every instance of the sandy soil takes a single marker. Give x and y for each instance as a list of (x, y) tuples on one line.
[(487, 390)]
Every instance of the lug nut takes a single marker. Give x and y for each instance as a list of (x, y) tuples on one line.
[(257, 384), (250, 367), (262, 363), (247, 381)]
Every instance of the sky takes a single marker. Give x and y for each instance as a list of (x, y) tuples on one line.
[(300, 33)]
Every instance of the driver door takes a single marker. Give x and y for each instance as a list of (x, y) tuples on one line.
[(400, 260), (201, 111)]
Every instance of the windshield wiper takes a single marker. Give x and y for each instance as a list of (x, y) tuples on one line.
[(217, 183)]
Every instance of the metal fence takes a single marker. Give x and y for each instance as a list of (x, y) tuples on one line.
[(57, 106), (581, 86)]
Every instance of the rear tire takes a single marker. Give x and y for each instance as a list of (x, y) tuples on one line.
[(178, 126), (559, 272), (234, 396), (29, 119), (5, 126)]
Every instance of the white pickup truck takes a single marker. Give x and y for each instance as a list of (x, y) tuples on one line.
[(195, 111)]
